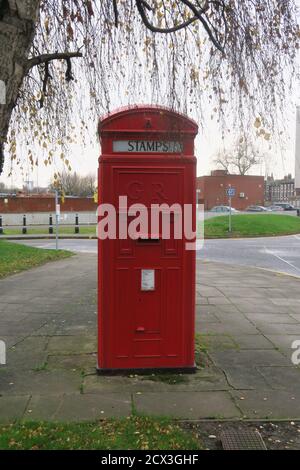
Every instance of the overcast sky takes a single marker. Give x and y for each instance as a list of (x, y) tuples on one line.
[(84, 160)]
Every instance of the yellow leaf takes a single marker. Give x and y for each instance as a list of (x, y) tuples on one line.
[(257, 123)]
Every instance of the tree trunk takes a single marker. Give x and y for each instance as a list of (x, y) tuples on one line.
[(17, 26)]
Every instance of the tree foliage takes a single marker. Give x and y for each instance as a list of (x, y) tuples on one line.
[(73, 184), (88, 57), (243, 156)]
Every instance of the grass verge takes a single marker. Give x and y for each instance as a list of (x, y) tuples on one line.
[(15, 258), (252, 225), (135, 432)]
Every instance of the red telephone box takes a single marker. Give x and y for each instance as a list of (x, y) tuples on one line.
[(146, 281)]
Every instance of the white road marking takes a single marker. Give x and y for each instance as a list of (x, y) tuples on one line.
[(270, 252), (44, 245)]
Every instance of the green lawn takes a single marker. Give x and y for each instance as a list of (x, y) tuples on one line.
[(111, 434), (15, 258), (243, 225), (252, 225)]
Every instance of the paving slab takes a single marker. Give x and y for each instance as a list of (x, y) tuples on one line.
[(282, 378), (78, 407), (242, 292), (263, 318), (85, 363), (228, 328), (230, 308), (257, 341), (221, 300), (73, 344), (206, 379), (10, 341), (40, 382), (12, 408), (195, 405), (246, 320), (296, 316), (240, 377), (267, 404), (217, 342), (249, 358), (283, 342), (208, 291), (284, 329)]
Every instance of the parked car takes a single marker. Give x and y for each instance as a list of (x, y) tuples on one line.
[(223, 209), (257, 209), (285, 206), (276, 208)]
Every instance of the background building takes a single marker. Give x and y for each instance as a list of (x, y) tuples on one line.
[(212, 190), (280, 190)]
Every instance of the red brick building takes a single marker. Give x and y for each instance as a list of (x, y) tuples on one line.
[(40, 203), (212, 190)]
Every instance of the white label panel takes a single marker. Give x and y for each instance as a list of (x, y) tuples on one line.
[(147, 146), (148, 280)]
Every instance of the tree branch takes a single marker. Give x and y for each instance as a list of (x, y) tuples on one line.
[(45, 83), (140, 6), (116, 13), (1, 156), (198, 15), (44, 58)]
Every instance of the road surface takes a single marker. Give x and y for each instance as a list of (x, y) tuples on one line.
[(281, 254)]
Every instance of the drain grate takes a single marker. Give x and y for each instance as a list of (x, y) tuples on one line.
[(242, 440)]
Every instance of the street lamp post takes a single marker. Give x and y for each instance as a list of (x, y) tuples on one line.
[(57, 214)]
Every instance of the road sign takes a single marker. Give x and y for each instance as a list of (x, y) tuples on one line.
[(230, 192)]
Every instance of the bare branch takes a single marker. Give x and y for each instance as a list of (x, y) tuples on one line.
[(198, 15), (69, 75), (116, 13), (45, 83), (42, 59), (155, 29)]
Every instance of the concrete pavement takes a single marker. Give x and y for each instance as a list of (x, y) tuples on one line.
[(246, 322)]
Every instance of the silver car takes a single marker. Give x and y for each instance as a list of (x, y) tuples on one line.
[(257, 209), (276, 208), (223, 209)]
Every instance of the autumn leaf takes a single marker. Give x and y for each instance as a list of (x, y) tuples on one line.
[(257, 122), (70, 32)]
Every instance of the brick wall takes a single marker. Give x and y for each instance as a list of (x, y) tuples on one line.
[(18, 205), (249, 190)]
